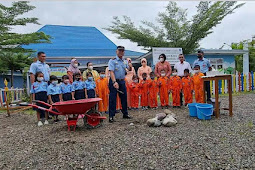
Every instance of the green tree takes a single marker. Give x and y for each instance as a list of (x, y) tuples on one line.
[(239, 58), (11, 17), (173, 28), (13, 62)]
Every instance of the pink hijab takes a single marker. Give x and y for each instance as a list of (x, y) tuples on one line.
[(71, 67)]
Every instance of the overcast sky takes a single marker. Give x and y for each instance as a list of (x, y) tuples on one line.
[(234, 28)]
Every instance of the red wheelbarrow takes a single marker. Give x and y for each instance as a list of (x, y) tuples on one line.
[(92, 118)]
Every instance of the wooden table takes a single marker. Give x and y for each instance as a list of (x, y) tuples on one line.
[(216, 79)]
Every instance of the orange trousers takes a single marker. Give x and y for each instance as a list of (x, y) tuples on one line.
[(164, 97), (176, 97), (103, 104), (199, 94), (153, 101), (134, 100), (187, 92), (144, 98)]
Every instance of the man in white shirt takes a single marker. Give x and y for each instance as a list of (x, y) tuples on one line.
[(180, 67)]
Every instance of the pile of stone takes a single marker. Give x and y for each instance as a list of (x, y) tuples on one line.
[(167, 119)]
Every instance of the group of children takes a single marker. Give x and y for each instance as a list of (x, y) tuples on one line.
[(147, 89), (65, 91), (163, 86)]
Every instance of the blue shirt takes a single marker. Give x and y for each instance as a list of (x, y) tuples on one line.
[(38, 87), (118, 66), (66, 88), (53, 89), (90, 85), (78, 85), (204, 64), (42, 67)]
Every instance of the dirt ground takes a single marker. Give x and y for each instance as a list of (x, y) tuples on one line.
[(224, 143)]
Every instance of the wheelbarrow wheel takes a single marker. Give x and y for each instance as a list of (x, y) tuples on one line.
[(90, 122)]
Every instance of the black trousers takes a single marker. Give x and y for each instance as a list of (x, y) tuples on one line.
[(113, 97), (207, 89)]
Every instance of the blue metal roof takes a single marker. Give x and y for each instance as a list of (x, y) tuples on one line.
[(76, 41)]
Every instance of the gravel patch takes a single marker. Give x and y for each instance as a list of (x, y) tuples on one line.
[(224, 143)]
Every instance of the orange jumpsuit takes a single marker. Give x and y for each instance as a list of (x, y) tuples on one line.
[(153, 93), (163, 91), (102, 91), (144, 92), (198, 87), (134, 94), (187, 87), (175, 85)]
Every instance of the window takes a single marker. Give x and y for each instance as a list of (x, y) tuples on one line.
[(217, 63)]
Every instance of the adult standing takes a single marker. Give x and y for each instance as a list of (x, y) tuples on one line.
[(90, 69), (204, 67), (144, 69), (118, 67), (129, 78), (41, 66), (180, 67), (163, 65), (72, 69)]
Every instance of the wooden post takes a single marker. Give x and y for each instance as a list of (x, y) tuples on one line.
[(217, 115), (7, 96), (230, 97)]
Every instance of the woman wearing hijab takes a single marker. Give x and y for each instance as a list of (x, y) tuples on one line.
[(144, 69), (163, 65), (90, 69), (128, 79), (72, 69)]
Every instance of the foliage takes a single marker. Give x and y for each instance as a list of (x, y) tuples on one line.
[(14, 62), (239, 58), (173, 28), (11, 17)]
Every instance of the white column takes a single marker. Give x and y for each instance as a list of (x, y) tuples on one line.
[(237, 88), (246, 64)]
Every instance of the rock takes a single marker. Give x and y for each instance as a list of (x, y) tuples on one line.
[(157, 123), (160, 116), (167, 111), (169, 121), (150, 122), (131, 124)]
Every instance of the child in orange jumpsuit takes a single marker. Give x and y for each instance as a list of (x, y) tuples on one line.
[(198, 84), (153, 91), (134, 93), (163, 89), (187, 87), (102, 92), (175, 87), (144, 91)]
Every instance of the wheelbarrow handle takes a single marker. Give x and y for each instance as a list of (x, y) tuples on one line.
[(41, 102)]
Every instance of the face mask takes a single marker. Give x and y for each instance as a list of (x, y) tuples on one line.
[(66, 81), (144, 78), (152, 78), (39, 78), (102, 75), (174, 74), (75, 65), (196, 71), (54, 82), (143, 64), (199, 56), (90, 78), (163, 74), (90, 67), (78, 79), (186, 75), (136, 81), (161, 60)]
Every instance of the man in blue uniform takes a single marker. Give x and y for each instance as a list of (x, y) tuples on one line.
[(117, 68), (204, 67), (41, 66)]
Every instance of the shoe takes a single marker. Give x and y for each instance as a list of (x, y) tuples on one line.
[(106, 112), (46, 122), (49, 117), (166, 107), (143, 108), (136, 108), (57, 120), (127, 117), (111, 120), (117, 111), (162, 107), (146, 108), (179, 107), (40, 123)]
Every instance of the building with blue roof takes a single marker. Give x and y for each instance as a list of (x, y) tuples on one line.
[(82, 42)]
